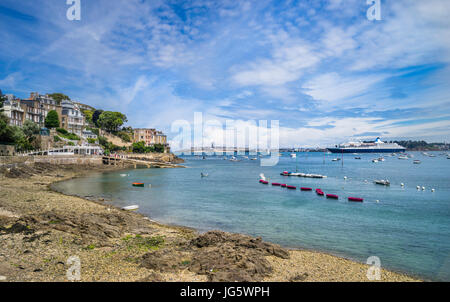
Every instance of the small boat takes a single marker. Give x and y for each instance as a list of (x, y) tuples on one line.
[(284, 185), (375, 160), (264, 182), (293, 155), (254, 158), (416, 161), (332, 196), (305, 189), (336, 159), (403, 157), (276, 184), (285, 173), (138, 184), (123, 175), (381, 159), (131, 208), (204, 174), (291, 187), (357, 157), (319, 192), (382, 182), (355, 199)]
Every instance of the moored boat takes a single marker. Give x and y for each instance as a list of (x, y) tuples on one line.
[(138, 184), (319, 192), (383, 182), (305, 189), (355, 199), (131, 208), (332, 196), (276, 184), (291, 187)]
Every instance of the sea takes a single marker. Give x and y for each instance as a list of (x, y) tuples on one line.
[(407, 228)]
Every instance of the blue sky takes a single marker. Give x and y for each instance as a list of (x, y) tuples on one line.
[(319, 67)]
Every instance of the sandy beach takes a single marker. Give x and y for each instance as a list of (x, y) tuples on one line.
[(40, 229)]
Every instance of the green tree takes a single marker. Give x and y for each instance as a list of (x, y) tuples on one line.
[(96, 116), (159, 148), (111, 121), (52, 119), (58, 97), (30, 130), (138, 147), (88, 115)]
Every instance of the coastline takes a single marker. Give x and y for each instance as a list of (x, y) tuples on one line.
[(40, 228)]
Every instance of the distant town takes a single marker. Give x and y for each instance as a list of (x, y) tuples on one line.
[(49, 121)]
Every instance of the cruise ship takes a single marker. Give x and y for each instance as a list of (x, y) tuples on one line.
[(377, 146)]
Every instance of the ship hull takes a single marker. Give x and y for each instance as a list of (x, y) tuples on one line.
[(374, 150)]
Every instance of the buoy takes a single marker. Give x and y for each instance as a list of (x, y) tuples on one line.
[(423, 188), (432, 190), (345, 177), (402, 184), (377, 201), (418, 187)]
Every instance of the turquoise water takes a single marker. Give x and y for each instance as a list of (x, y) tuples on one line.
[(409, 230)]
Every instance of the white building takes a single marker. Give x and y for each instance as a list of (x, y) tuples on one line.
[(72, 119)]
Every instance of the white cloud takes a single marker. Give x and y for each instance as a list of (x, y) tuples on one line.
[(331, 87)]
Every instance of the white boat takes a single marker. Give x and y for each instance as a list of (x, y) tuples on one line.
[(131, 208), (254, 158), (417, 161), (382, 182), (375, 160), (336, 159), (293, 155), (381, 159), (403, 157)]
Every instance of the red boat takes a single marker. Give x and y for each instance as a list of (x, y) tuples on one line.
[(291, 187), (276, 184), (265, 182), (261, 180), (284, 185), (305, 189), (332, 196), (355, 199), (319, 192)]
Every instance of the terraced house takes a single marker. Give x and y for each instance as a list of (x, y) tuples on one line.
[(149, 136)]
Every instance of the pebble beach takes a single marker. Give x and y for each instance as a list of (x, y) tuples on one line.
[(40, 229)]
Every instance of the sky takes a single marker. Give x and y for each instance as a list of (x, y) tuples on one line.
[(321, 68)]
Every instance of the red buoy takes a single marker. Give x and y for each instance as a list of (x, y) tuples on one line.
[(355, 199)]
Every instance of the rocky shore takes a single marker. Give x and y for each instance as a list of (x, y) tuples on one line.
[(41, 229)]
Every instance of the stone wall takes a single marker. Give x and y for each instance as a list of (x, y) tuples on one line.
[(55, 160)]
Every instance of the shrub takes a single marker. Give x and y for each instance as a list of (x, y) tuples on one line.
[(56, 138), (62, 131)]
